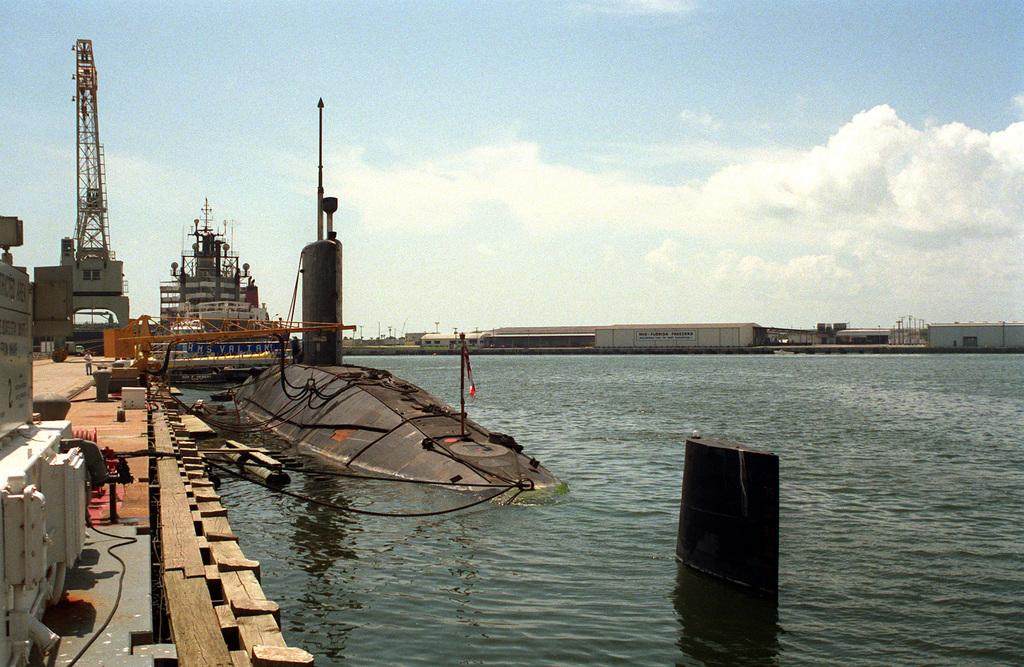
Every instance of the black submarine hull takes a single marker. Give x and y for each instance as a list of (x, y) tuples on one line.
[(374, 423)]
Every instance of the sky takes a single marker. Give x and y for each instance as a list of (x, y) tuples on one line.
[(566, 162)]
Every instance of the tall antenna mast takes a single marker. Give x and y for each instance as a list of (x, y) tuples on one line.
[(320, 179)]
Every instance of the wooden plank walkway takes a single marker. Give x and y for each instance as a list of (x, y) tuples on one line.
[(219, 615)]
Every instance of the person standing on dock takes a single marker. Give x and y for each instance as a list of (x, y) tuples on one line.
[(88, 362)]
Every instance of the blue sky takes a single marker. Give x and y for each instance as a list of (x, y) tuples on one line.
[(547, 163)]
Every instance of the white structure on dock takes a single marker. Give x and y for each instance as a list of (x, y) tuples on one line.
[(42, 491)]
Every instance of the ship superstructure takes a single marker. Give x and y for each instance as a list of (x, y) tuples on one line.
[(209, 284)]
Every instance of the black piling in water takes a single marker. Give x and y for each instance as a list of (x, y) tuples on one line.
[(729, 514)]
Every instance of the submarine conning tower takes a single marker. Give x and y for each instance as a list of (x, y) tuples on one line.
[(321, 300), (321, 277)]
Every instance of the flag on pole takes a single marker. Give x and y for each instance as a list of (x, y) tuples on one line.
[(469, 370)]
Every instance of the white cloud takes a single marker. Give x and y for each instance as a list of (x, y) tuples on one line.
[(800, 275), (663, 260), (703, 121), (543, 197), (877, 175), (636, 7), (882, 209)]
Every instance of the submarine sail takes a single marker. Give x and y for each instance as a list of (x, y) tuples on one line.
[(375, 423), (366, 419)]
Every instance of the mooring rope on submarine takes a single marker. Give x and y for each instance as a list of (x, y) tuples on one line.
[(238, 427), (386, 379), (342, 508), (376, 377), (522, 485), (311, 388)]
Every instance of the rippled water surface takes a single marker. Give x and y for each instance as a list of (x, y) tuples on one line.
[(901, 532)]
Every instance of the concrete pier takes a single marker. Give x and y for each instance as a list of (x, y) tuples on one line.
[(213, 611)]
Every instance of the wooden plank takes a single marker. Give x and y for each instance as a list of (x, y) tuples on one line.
[(257, 453), (236, 564), (162, 441), (239, 584), (243, 607), (180, 548), (225, 618), (243, 592), (223, 550), (196, 428), (211, 509), (194, 626), (260, 630), (217, 529), (240, 659), (276, 656), (206, 494)]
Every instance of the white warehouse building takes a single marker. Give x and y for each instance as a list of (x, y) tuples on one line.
[(976, 334), (745, 334)]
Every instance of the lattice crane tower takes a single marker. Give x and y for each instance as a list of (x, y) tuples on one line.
[(98, 278)]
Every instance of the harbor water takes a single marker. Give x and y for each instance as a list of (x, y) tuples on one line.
[(902, 488)]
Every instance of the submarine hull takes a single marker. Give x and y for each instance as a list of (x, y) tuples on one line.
[(374, 423)]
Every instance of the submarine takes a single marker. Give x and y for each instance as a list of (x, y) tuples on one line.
[(372, 422), (368, 420)]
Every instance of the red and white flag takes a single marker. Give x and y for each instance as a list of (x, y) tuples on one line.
[(469, 370)]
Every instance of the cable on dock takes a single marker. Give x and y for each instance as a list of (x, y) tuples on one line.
[(127, 539)]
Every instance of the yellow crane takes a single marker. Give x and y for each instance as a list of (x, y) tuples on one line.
[(136, 340)]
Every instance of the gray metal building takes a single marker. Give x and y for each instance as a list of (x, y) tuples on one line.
[(451, 341), (745, 334), (542, 337), (976, 334), (874, 336)]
